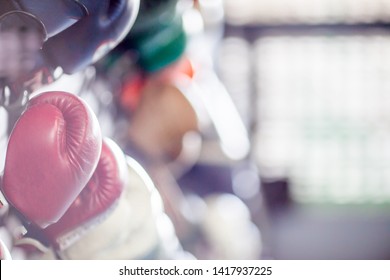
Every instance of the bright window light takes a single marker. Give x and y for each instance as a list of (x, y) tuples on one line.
[(324, 116)]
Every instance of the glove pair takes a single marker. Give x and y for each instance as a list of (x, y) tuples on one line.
[(73, 187)]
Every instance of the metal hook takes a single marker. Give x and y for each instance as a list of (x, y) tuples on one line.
[(6, 99), (13, 106)]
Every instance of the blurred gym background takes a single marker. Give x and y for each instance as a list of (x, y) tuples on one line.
[(311, 82)]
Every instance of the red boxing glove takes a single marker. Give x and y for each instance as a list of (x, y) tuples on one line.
[(95, 201), (52, 153)]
